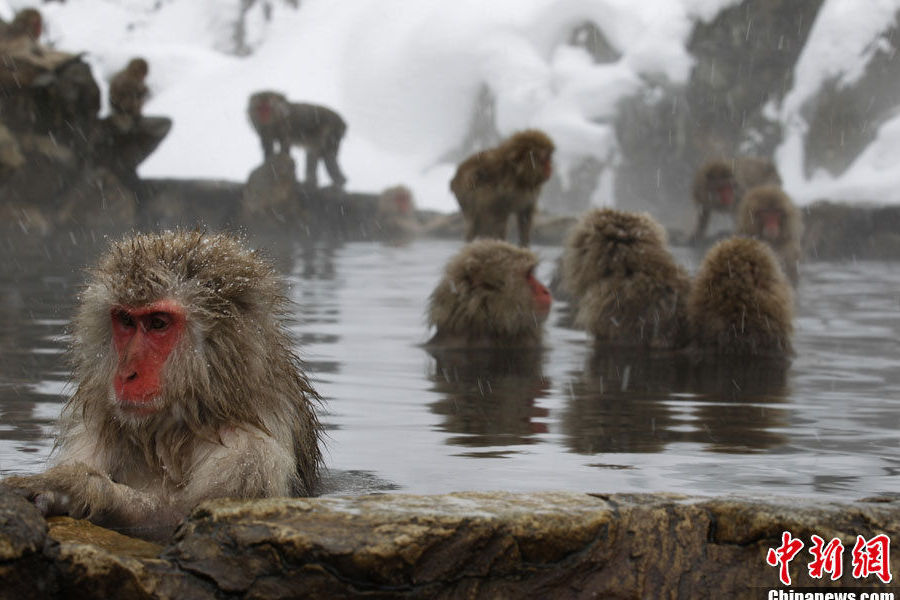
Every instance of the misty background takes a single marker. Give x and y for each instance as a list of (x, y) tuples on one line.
[(635, 94)]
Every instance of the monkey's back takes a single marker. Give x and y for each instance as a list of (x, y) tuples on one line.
[(627, 287), (645, 308), (311, 123), (740, 302)]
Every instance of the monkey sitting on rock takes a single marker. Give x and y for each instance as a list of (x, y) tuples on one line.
[(317, 129)]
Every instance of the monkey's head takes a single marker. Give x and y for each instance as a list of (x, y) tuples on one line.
[(28, 21), (396, 200), (532, 153), (610, 243), (490, 296), (715, 185), (768, 213), (175, 324), (138, 68), (741, 290), (266, 107)]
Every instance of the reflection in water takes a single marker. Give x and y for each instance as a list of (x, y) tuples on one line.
[(627, 400), (571, 417), (738, 404), (488, 395), (618, 403)]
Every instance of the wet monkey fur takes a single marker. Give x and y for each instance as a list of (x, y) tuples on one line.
[(768, 214), (186, 388), (317, 129), (626, 287), (741, 303), (502, 181), (719, 186), (489, 297)]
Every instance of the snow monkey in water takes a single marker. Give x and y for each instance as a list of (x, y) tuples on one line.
[(626, 287), (741, 304), (493, 184), (719, 186), (187, 388), (489, 297), (767, 213), (317, 129)]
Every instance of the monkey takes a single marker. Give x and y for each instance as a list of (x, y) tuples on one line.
[(741, 303), (493, 184), (768, 214), (719, 186), (395, 215), (489, 297), (127, 91), (27, 24), (626, 286), (186, 388), (11, 157), (317, 129)]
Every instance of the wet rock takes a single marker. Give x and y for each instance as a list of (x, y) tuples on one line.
[(744, 58), (589, 36), (462, 545), (835, 231), (845, 117), (547, 229), (273, 191), (124, 142), (79, 531), (96, 200), (168, 203), (26, 556)]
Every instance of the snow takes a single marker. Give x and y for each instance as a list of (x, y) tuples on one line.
[(841, 43), (406, 74)]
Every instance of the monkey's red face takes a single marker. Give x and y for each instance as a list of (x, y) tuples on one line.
[(403, 203), (725, 191), (770, 222), (546, 164), (144, 337), (264, 111), (541, 295)]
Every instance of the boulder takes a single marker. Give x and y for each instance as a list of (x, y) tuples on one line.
[(460, 545)]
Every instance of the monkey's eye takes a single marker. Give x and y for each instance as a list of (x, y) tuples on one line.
[(124, 319), (158, 321)]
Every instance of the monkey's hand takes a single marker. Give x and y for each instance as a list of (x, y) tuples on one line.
[(72, 489)]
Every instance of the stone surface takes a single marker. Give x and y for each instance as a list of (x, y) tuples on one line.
[(462, 545), (835, 231)]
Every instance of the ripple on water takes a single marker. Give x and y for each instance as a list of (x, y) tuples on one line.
[(571, 417)]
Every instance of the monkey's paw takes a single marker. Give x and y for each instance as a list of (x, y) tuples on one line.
[(62, 490)]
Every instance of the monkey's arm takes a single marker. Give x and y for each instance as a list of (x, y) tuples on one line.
[(702, 221), (247, 464), (80, 491)]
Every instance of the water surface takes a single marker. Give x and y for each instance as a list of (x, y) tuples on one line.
[(570, 417)]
